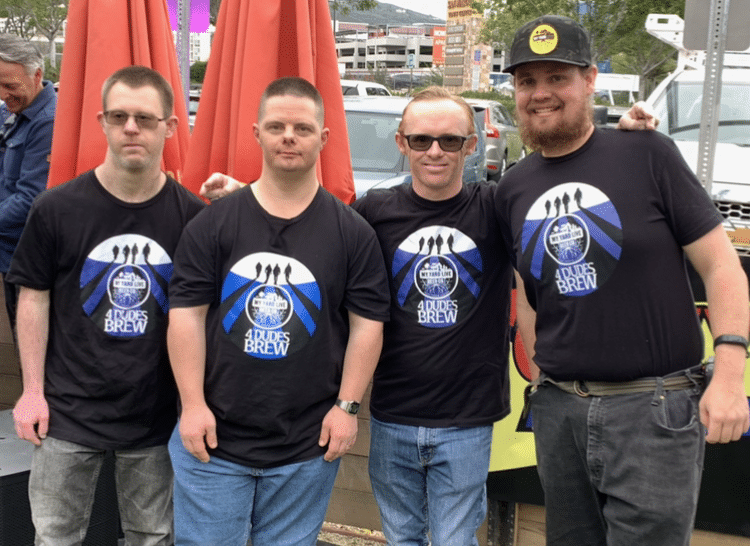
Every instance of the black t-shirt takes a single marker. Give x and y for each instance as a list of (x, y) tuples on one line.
[(445, 354), (277, 328), (598, 237), (107, 264)]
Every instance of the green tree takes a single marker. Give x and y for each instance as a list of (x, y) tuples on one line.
[(617, 29), (604, 19), (18, 18), (198, 71), (48, 17)]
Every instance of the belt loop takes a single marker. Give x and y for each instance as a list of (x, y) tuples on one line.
[(658, 392)]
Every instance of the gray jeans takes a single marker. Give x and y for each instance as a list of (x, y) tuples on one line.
[(619, 470), (62, 485)]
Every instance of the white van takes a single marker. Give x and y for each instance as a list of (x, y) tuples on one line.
[(364, 89)]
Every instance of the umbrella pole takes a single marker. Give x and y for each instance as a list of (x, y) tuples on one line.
[(183, 46)]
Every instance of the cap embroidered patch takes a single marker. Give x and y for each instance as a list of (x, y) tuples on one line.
[(543, 40)]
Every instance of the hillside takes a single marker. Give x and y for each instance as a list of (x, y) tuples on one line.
[(387, 14)]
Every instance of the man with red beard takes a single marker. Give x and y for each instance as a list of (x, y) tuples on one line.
[(600, 223)]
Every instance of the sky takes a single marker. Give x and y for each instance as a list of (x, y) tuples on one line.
[(437, 8)]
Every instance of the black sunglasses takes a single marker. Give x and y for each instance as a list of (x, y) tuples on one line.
[(447, 143), (144, 121)]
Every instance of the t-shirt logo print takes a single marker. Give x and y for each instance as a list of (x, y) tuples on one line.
[(133, 273), (270, 305), (436, 271), (572, 237)]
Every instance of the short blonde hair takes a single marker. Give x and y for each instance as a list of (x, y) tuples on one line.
[(435, 93)]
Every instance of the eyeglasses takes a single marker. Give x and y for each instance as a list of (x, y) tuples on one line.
[(144, 121), (447, 143)]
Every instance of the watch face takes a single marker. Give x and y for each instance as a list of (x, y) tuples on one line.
[(353, 408)]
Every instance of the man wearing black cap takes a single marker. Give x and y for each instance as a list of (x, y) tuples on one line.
[(600, 223)]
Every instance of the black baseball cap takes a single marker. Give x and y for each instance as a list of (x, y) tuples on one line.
[(550, 38)]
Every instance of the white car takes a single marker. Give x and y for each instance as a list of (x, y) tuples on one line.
[(363, 89), (678, 102)]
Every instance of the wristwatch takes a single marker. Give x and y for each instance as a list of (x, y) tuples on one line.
[(349, 406)]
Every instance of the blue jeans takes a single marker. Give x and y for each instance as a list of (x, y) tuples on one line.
[(430, 480), (619, 470), (62, 485), (224, 503)]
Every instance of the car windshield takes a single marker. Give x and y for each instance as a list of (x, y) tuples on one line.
[(372, 143), (681, 108)]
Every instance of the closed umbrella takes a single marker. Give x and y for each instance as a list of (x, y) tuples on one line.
[(103, 36), (255, 43)]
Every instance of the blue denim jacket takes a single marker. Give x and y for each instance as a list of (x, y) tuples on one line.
[(24, 166)]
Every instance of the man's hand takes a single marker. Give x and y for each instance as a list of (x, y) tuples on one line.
[(339, 431), (31, 418), (640, 117), (218, 185), (198, 430), (724, 410)]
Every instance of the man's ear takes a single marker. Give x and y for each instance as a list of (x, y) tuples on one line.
[(403, 146)]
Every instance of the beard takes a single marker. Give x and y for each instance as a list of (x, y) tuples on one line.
[(559, 135)]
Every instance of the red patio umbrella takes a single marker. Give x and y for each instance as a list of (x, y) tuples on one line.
[(103, 36), (255, 43)]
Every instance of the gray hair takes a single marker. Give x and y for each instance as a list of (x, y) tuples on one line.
[(14, 49)]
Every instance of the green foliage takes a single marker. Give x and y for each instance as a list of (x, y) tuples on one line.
[(616, 28), (198, 71), (51, 73)]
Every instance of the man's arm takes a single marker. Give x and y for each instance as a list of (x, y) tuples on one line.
[(32, 178), (363, 348), (723, 407), (526, 319), (186, 341), (31, 413), (218, 185)]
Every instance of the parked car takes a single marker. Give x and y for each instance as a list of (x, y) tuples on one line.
[(678, 102), (376, 160), (195, 97), (504, 146), (363, 89)]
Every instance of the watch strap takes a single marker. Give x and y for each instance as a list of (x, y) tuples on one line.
[(349, 406)]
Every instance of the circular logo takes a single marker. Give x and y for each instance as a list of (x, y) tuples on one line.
[(128, 286), (543, 40), (269, 307), (567, 239), (435, 277)]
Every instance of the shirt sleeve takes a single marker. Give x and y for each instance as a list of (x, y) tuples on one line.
[(33, 261), (193, 281), (688, 207), (367, 292)]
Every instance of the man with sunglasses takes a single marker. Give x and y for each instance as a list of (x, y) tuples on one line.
[(442, 379), (93, 263)]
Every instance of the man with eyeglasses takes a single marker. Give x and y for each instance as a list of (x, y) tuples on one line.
[(94, 263), (26, 118)]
